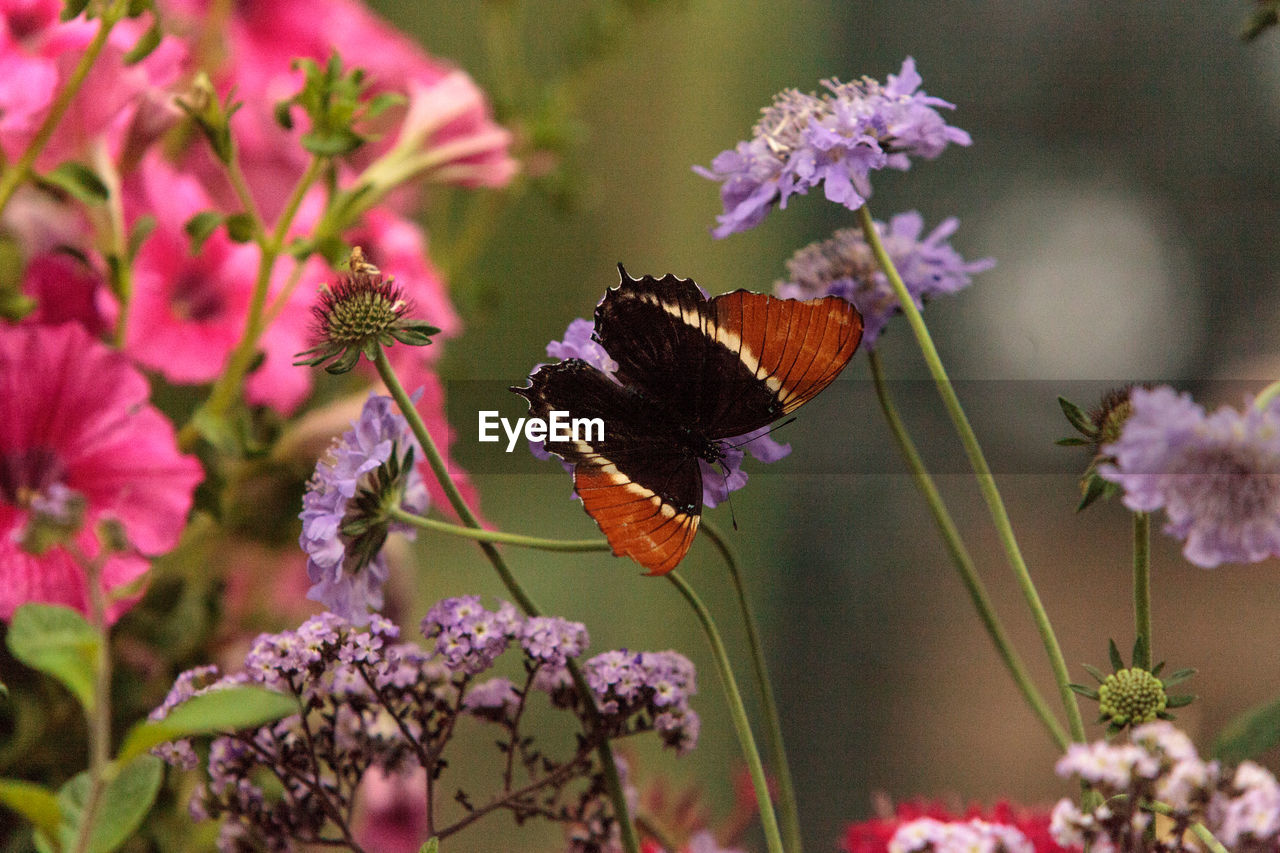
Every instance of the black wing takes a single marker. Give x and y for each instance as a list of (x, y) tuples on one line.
[(729, 365), (638, 483)]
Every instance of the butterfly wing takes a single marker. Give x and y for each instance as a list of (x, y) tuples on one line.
[(728, 365), (643, 491)]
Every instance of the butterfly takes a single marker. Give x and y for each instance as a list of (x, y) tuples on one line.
[(692, 372)]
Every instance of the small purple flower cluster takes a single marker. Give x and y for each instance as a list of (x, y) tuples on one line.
[(928, 835), (369, 702), (366, 472), (579, 342), (1159, 764), (653, 686), (844, 266), (1217, 476), (835, 139)]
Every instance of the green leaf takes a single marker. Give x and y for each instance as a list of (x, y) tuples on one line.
[(1078, 417), (1094, 487), (240, 227), (432, 846), (1141, 657), (1073, 441), (1095, 672), (1180, 701), (57, 641), (146, 44), (1178, 677), (201, 227), (34, 802), (1117, 662), (125, 801), (332, 143), (141, 231), (79, 181), (1250, 734), (72, 8), (137, 7), (1087, 692), (219, 710)]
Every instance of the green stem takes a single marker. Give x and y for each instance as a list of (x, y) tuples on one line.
[(119, 240), (961, 559), (738, 711), (14, 176), (982, 472), (1266, 395), (497, 536), (789, 812), (1142, 589), (99, 717), (613, 781), (1201, 831), (226, 390)]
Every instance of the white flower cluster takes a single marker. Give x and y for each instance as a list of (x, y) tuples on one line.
[(927, 835), (1159, 769)]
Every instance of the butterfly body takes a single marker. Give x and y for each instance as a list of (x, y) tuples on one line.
[(692, 372)]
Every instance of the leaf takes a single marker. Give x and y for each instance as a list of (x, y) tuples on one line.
[(240, 227), (1117, 662), (146, 44), (1085, 691), (1078, 417), (1180, 701), (72, 8), (79, 181), (1073, 441), (125, 801), (432, 846), (1094, 487), (141, 231), (34, 802), (1095, 672), (1178, 677), (218, 710), (1250, 734), (201, 227), (57, 641)]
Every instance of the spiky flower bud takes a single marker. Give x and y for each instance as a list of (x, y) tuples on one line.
[(361, 313), (1131, 697)]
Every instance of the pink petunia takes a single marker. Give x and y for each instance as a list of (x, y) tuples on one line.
[(74, 416)]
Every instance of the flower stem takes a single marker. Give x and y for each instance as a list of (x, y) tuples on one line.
[(497, 536), (99, 716), (982, 472), (961, 558), (789, 813), (1266, 395), (1142, 588), (613, 781), (738, 711), (18, 172)]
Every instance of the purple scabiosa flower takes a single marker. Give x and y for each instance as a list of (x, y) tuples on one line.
[(836, 138), (844, 266), (365, 474), (717, 482), (1217, 476)]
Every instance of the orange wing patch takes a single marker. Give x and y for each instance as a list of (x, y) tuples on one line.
[(637, 523)]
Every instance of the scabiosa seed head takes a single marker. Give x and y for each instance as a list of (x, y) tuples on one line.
[(361, 313), (1131, 696)]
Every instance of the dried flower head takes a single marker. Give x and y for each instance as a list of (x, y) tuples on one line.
[(363, 312)]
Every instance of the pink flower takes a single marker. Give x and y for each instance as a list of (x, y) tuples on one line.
[(65, 290), (395, 811), (74, 416), (38, 53), (188, 312)]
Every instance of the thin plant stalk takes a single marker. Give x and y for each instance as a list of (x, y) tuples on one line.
[(962, 560), (1142, 589), (613, 781), (982, 472), (788, 810), (738, 712), (18, 172), (497, 536), (99, 716)]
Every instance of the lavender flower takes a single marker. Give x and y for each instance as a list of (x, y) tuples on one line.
[(656, 685), (1216, 476), (717, 482), (835, 139), (844, 266), (468, 638), (366, 473)]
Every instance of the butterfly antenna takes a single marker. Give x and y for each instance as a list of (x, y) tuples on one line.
[(769, 431), (728, 496)]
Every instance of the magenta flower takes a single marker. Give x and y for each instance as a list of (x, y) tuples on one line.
[(1217, 477), (74, 417)]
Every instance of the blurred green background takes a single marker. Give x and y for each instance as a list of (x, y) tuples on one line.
[(1123, 176)]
